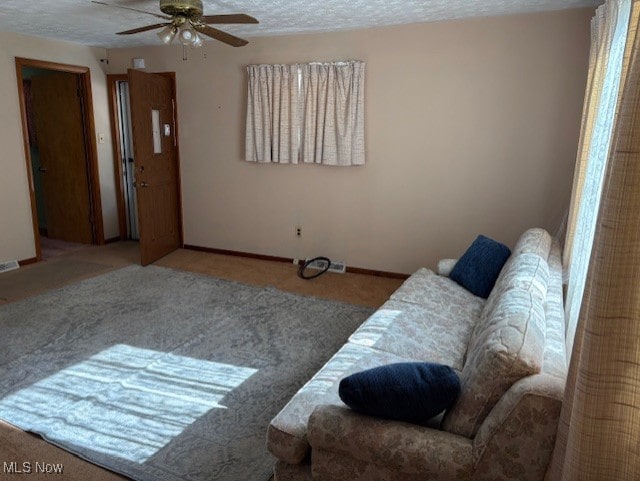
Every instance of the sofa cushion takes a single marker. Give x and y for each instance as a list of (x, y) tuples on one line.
[(408, 330), (555, 355), (528, 256), (507, 347), (479, 267), (526, 271), (439, 295), (413, 392)]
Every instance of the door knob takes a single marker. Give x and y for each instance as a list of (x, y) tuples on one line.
[(144, 184)]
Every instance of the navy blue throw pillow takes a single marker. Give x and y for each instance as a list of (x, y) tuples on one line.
[(409, 391), (479, 267)]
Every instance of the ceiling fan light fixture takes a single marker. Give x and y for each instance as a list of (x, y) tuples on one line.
[(187, 34), (167, 34), (185, 19), (197, 41)]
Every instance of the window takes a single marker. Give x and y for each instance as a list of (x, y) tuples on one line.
[(313, 113)]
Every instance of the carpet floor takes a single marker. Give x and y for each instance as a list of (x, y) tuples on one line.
[(59, 271), (161, 374)]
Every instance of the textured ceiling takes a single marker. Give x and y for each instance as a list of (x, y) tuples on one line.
[(84, 22)]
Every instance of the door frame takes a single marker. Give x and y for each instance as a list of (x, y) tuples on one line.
[(117, 152), (91, 148)]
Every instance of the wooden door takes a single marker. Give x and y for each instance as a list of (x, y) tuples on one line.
[(58, 120), (156, 164)]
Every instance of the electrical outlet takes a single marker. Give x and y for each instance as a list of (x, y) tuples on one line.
[(298, 231)]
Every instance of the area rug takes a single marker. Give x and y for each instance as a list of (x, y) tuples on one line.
[(164, 375)]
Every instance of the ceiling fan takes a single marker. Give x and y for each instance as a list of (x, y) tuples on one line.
[(185, 19)]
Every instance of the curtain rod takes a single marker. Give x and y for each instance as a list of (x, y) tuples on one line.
[(338, 62)]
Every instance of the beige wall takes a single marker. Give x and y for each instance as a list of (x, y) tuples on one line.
[(16, 230), (471, 127)]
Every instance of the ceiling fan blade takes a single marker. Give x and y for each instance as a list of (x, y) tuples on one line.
[(132, 9), (220, 35), (230, 18), (143, 29)]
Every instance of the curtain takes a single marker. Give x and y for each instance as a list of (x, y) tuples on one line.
[(589, 110), (599, 430), (332, 130), (272, 114), (609, 34)]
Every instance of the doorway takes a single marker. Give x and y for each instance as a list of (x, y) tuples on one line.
[(146, 161), (125, 142), (61, 154)]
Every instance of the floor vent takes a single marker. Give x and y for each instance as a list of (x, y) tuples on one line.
[(8, 266), (338, 267)]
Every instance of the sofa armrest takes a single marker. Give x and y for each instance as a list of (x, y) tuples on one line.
[(516, 439), (405, 447), (445, 266)]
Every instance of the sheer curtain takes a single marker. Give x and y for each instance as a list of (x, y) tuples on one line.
[(609, 34), (599, 429), (589, 110), (332, 131), (273, 110)]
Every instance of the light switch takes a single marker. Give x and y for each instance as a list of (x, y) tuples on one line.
[(138, 63), (101, 138)]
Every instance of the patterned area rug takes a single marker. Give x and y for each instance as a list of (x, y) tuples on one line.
[(164, 375)]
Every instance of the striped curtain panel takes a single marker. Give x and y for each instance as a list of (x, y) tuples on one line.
[(272, 114), (599, 431), (332, 130)]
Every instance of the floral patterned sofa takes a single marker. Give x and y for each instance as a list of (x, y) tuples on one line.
[(509, 351)]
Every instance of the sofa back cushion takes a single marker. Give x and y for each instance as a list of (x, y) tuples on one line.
[(507, 343), (555, 355), (534, 241)]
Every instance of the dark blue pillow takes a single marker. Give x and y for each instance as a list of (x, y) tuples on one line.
[(479, 267), (409, 391)]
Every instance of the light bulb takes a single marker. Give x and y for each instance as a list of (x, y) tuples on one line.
[(167, 34), (187, 34)]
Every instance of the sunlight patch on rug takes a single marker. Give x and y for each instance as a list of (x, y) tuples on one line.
[(125, 401)]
